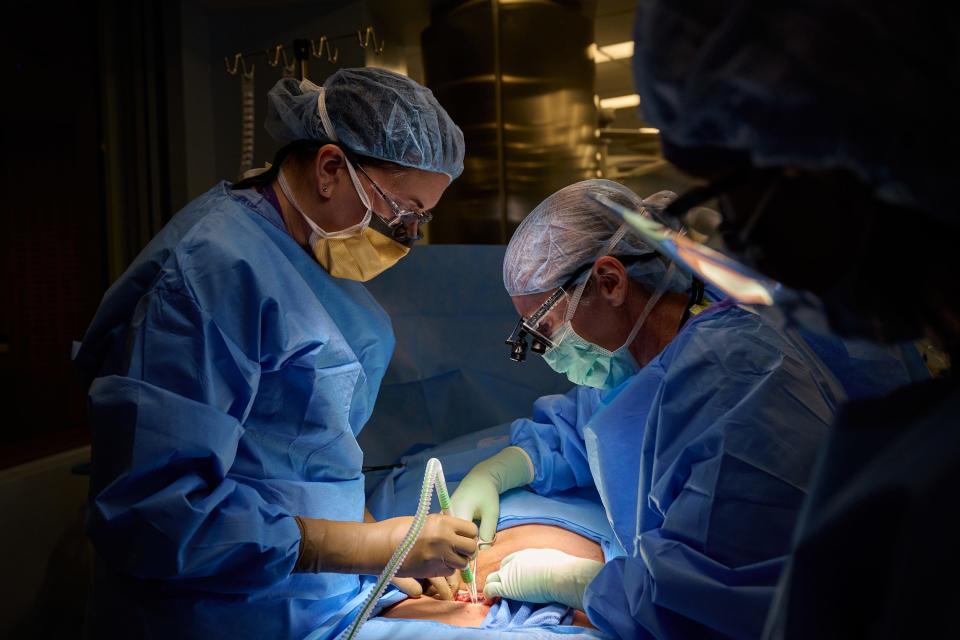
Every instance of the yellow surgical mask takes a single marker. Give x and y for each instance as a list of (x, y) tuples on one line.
[(360, 257), (360, 252)]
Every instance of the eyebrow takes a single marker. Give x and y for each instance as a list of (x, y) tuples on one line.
[(416, 202), (407, 198)]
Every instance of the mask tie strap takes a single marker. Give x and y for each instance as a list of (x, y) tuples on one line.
[(651, 303), (575, 300), (332, 135), (330, 132), (306, 85)]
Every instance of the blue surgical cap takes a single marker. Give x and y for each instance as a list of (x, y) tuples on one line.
[(857, 85), (373, 112), (570, 229)]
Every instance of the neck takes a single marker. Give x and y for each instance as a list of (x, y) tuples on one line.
[(660, 327)]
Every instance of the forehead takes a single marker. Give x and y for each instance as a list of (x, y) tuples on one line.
[(526, 305), (413, 186)]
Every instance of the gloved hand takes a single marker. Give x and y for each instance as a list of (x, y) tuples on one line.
[(445, 544), (542, 575), (478, 496), (440, 588)]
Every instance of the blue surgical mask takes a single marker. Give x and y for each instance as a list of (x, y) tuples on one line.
[(589, 364)]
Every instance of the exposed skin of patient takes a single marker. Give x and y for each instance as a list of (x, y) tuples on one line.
[(528, 536)]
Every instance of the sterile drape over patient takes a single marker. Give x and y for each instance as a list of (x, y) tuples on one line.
[(573, 521)]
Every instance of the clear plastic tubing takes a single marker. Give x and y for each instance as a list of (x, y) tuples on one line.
[(433, 477)]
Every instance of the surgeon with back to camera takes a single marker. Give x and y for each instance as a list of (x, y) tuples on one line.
[(852, 200), (697, 420), (232, 366)]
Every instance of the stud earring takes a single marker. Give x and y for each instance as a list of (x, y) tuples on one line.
[(323, 188)]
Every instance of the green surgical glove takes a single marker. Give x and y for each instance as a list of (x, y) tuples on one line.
[(478, 496), (542, 575)]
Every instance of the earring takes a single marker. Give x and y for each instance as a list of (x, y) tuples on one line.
[(323, 188)]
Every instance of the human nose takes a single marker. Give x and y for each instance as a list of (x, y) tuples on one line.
[(412, 227)]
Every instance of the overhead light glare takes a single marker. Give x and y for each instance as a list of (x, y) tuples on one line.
[(620, 102), (616, 51)]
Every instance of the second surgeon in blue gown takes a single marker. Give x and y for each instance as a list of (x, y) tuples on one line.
[(701, 457), (233, 364)]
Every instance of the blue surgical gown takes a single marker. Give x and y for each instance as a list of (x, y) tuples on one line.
[(701, 460), (875, 552), (229, 375)]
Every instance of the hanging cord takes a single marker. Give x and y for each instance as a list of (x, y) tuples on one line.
[(247, 122)]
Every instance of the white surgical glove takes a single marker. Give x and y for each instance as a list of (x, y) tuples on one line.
[(542, 575)]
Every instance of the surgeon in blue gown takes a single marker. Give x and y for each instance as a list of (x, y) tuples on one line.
[(697, 420), (233, 364), (775, 104)]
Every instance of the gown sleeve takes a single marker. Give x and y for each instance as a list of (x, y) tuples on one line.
[(729, 440), (553, 438), (167, 425)]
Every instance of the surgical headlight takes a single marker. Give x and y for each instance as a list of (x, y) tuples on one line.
[(528, 327), (518, 341)]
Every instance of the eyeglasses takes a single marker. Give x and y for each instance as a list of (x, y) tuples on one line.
[(530, 326), (401, 215)]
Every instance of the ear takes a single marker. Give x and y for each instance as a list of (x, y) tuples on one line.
[(612, 280), (326, 167)]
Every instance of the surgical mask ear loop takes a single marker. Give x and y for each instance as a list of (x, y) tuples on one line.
[(317, 231), (331, 133), (355, 179), (651, 303), (661, 289), (575, 300), (647, 310), (568, 314)]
